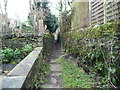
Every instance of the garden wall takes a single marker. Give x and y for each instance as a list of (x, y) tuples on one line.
[(97, 49), (47, 44), (25, 74)]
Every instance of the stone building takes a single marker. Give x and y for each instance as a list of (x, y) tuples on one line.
[(94, 12), (80, 15)]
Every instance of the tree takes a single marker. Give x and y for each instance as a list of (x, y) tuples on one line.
[(40, 11), (4, 14), (51, 23), (65, 15), (49, 19)]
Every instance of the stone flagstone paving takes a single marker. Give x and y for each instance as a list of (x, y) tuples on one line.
[(54, 80)]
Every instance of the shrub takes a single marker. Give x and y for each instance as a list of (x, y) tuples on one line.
[(8, 54), (97, 48), (14, 56), (27, 49)]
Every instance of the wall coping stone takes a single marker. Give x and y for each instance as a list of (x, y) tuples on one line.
[(17, 76)]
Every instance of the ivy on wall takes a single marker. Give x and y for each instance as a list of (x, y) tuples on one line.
[(97, 50)]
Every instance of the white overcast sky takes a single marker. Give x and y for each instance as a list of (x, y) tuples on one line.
[(20, 8)]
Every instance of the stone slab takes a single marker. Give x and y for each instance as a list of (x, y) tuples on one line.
[(53, 61), (1, 78), (55, 74), (54, 80), (18, 75), (13, 82), (51, 86), (23, 68), (55, 67)]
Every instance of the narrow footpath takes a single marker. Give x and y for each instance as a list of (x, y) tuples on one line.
[(53, 79)]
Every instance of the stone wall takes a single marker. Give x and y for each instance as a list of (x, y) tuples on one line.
[(24, 75), (80, 15), (47, 44)]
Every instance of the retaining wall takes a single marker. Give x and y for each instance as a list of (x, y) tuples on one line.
[(24, 75)]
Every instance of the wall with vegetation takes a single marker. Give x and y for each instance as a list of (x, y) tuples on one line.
[(47, 44), (97, 50), (37, 75), (80, 15)]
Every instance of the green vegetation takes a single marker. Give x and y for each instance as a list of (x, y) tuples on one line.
[(8, 55), (50, 19), (14, 56), (51, 23), (26, 28), (47, 43), (43, 72), (27, 48), (97, 50), (73, 76)]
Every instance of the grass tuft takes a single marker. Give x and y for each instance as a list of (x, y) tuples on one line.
[(73, 76)]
